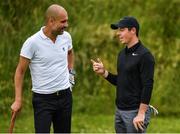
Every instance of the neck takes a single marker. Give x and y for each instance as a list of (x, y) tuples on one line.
[(133, 42), (49, 34)]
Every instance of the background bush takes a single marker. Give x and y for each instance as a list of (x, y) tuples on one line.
[(89, 25)]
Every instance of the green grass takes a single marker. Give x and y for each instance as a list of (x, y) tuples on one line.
[(82, 123)]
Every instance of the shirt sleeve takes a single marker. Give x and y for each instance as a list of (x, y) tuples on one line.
[(112, 78), (27, 49), (147, 74)]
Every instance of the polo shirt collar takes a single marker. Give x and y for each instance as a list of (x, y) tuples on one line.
[(133, 48), (42, 33)]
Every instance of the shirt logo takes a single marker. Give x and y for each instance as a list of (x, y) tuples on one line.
[(63, 49), (134, 54)]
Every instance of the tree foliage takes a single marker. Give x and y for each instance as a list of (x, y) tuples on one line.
[(89, 25)]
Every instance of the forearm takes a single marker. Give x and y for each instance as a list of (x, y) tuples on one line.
[(142, 108), (70, 59), (18, 79)]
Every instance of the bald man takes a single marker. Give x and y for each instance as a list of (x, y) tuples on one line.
[(49, 55)]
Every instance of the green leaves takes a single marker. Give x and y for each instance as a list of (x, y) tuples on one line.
[(89, 25)]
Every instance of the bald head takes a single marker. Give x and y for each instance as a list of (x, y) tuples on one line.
[(54, 11)]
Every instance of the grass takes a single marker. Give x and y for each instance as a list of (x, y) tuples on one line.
[(83, 123)]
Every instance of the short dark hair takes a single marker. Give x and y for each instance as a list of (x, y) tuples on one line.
[(137, 32)]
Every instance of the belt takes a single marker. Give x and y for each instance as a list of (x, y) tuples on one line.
[(58, 93)]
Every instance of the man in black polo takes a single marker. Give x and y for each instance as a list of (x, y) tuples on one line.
[(133, 81)]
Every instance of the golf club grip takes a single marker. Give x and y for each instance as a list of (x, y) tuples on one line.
[(13, 118)]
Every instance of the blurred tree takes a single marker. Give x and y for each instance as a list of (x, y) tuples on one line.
[(89, 25)]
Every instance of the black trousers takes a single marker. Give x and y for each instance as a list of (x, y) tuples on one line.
[(53, 108)]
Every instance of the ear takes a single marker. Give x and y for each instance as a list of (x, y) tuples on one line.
[(133, 30), (51, 20)]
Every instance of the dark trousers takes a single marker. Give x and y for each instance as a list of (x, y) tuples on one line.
[(53, 108)]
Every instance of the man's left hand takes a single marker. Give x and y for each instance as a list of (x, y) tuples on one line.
[(138, 122)]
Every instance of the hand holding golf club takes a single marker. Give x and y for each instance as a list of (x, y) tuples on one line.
[(15, 107), (12, 122)]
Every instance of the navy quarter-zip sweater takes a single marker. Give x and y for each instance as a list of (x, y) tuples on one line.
[(134, 79)]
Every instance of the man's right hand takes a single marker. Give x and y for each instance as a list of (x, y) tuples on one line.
[(16, 106), (98, 67)]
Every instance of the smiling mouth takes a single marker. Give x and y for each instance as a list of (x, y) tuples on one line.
[(63, 29)]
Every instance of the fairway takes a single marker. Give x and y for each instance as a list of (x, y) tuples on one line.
[(82, 123)]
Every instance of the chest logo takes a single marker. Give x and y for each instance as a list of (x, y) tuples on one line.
[(63, 49), (134, 54)]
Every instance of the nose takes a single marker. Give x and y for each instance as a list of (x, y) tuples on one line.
[(118, 33), (66, 24)]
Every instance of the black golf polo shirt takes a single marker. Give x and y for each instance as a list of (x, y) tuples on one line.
[(134, 79)]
